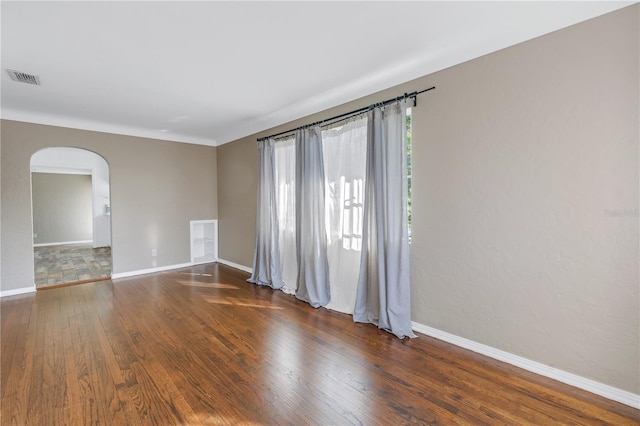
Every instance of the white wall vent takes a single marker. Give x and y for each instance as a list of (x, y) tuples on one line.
[(23, 77)]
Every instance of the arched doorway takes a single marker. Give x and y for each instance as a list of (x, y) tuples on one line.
[(71, 216)]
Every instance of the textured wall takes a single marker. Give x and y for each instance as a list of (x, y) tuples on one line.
[(157, 187), (1, 205), (62, 207), (237, 197), (526, 170), (525, 221)]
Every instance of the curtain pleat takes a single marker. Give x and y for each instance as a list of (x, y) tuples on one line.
[(383, 294), (266, 258), (311, 236)]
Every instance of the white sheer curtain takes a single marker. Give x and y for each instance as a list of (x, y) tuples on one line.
[(285, 182), (311, 236), (266, 258), (332, 218), (344, 150), (383, 295)]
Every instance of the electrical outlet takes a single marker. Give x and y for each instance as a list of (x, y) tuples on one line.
[(35, 235), (154, 252)]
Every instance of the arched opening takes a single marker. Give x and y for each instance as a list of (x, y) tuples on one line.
[(71, 216)]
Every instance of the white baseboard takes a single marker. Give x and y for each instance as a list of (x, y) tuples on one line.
[(589, 385), (63, 243), (235, 265), (149, 271), (178, 266), (203, 262), (15, 292)]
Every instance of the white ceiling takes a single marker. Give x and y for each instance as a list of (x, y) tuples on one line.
[(211, 72)]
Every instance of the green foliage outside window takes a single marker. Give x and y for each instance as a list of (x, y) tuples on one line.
[(409, 170)]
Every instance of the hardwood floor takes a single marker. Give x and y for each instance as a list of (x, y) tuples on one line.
[(200, 346)]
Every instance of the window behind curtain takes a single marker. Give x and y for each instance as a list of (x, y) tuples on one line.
[(344, 151)]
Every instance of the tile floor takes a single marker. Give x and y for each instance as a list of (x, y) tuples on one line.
[(70, 262)]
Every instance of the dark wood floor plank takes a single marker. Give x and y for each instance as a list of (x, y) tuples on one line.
[(313, 396), (14, 322), (224, 354), (86, 400), (19, 384), (201, 376), (342, 359), (54, 389), (153, 332), (202, 346)]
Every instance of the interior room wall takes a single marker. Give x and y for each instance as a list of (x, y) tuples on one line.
[(525, 199), (64, 159), (62, 208), (101, 202), (157, 187), (0, 204)]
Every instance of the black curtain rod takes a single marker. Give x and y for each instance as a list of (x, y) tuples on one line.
[(346, 115)]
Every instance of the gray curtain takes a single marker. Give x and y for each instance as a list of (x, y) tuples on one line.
[(383, 295), (266, 259), (311, 234)]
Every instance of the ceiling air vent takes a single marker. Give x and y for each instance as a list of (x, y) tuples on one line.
[(23, 77)]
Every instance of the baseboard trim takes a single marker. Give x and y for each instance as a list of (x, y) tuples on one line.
[(235, 265), (204, 262), (71, 283), (63, 243), (17, 291), (149, 271), (589, 385)]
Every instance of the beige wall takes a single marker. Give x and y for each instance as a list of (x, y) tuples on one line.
[(525, 222), (1, 205), (156, 188), (237, 197), (62, 207)]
